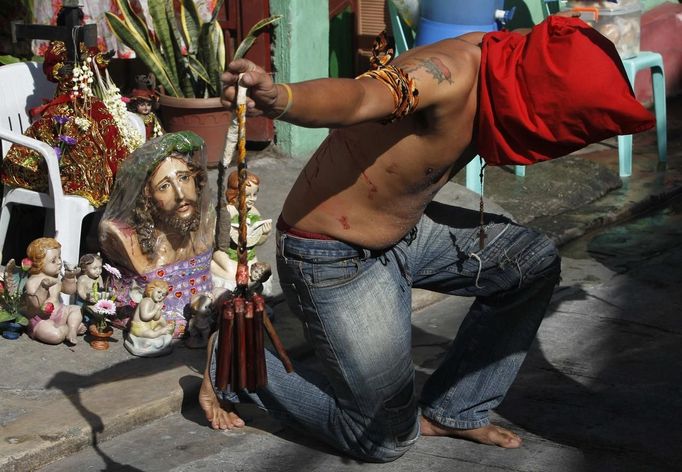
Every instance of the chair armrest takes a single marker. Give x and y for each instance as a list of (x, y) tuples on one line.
[(54, 180)]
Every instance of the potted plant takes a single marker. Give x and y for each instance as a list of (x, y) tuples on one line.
[(12, 321), (187, 57)]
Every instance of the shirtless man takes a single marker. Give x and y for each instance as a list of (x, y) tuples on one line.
[(358, 230)]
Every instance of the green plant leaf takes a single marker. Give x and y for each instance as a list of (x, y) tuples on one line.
[(6, 316), (192, 74), (187, 83), (161, 20), (190, 22), (221, 56), (207, 55), (151, 59), (250, 38), (134, 22), (216, 10), (198, 69)]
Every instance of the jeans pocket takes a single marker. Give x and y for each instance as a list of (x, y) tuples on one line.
[(329, 274)]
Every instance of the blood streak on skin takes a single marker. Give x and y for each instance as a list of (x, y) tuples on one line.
[(372, 187), (344, 222)]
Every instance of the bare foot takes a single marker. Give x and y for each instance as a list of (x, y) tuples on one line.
[(81, 329), (490, 434), (221, 416)]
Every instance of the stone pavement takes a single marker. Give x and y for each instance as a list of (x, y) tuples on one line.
[(56, 400)]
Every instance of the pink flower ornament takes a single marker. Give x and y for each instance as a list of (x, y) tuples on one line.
[(105, 307)]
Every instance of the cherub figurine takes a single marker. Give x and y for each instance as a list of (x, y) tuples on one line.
[(50, 321), (91, 274), (143, 102), (224, 263), (150, 335), (202, 311)]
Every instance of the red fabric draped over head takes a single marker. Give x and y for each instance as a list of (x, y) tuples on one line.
[(551, 92)]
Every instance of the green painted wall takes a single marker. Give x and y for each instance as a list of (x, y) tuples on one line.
[(301, 53)]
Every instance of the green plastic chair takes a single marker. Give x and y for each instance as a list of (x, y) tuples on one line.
[(402, 34), (654, 62)]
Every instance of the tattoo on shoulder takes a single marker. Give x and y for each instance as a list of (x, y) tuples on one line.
[(433, 66)]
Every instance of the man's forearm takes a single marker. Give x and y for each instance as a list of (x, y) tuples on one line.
[(326, 103)]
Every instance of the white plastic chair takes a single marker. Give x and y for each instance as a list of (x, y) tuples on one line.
[(24, 86)]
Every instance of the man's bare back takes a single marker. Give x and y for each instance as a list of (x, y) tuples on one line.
[(368, 184)]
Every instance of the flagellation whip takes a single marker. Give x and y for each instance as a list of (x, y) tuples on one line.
[(241, 347)]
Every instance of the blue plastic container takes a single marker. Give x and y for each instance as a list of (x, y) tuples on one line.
[(441, 19)]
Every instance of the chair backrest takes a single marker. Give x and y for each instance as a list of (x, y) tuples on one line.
[(24, 86)]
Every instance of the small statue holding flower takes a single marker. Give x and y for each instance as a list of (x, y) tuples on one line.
[(94, 293)]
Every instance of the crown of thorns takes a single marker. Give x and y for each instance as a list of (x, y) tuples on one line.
[(146, 157)]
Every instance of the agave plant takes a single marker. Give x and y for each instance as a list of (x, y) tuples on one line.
[(186, 56)]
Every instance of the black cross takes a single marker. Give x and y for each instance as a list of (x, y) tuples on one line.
[(73, 30)]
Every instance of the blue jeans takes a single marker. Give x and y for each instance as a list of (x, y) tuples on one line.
[(355, 306)]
